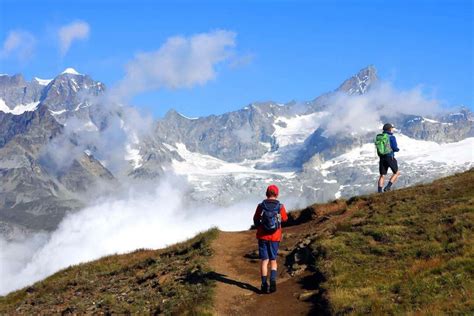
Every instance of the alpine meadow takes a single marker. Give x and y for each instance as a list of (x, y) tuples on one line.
[(238, 158)]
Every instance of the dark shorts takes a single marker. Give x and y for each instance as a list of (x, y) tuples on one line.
[(388, 162), (267, 249)]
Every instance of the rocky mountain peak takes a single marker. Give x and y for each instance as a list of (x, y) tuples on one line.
[(15, 80), (71, 71), (463, 115), (172, 114), (361, 82), (16, 91), (69, 89)]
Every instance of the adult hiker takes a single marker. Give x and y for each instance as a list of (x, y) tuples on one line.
[(268, 218), (386, 145)]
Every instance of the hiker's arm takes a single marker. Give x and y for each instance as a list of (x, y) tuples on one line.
[(393, 143), (284, 216)]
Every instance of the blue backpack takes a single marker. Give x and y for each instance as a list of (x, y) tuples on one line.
[(270, 218)]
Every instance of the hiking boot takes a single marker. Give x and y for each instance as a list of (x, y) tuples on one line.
[(264, 288), (387, 189), (273, 286)]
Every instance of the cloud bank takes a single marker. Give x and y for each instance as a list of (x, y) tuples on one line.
[(359, 114), (20, 44), (67, 34), (137, 220)]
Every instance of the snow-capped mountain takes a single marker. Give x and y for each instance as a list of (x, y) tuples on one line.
[(63, 144)]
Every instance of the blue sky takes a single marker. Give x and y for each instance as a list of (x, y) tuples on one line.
[(285, 50)]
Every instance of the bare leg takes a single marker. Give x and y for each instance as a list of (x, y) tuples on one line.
[(273, 264), (381, 181), (264, 267), (394, 177)]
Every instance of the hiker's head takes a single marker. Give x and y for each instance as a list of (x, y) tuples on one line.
[(388, 127), (272, 191)]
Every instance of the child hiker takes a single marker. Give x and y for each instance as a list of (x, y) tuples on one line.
[(268, 218)]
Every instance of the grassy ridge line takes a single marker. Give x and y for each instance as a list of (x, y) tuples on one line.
[(404, 252), (144, 281), (410, 251)]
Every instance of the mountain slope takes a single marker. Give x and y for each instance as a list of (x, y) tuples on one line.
[(35, 193), (407, 251), (87, 146), (143, 282)]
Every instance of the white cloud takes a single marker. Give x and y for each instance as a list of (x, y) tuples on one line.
[(360, 114), (67, 34), (20, 44), (137, 220), (181, 62)]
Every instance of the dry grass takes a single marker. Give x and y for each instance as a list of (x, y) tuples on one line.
[(169, 281), (405, 252)]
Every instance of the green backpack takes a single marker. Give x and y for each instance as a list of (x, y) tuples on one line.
[(382, 143)]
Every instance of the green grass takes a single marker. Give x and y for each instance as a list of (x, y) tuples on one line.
[(169, 281), (410, 251)]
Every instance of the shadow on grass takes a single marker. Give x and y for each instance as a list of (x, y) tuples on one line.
[(319, 301)]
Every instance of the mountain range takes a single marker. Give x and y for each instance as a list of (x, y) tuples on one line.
[(65, 142)]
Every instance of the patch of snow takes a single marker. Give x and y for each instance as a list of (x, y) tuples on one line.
[(57, 112), (296, 129), (429, 120), (70, 71), (330, 181), (424, 119), (411, 151), (43, 82), (19, 109), (424, 152), (86, 105), (188, 118), (4, 107), (268, 146), (338, 194), (197, 165), (78, 107), (74, 85), (133, 155), (325, 172)]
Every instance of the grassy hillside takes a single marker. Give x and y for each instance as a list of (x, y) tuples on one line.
[(144, 282), (410, 251), (407, 251)]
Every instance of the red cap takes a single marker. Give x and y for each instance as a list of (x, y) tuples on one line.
[(272, 190)]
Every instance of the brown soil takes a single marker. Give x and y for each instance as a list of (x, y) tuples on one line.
[(238, 278)]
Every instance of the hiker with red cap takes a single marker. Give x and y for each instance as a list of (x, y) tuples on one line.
[(268, 218)]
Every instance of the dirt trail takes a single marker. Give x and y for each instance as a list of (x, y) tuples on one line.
[(238, 279)]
